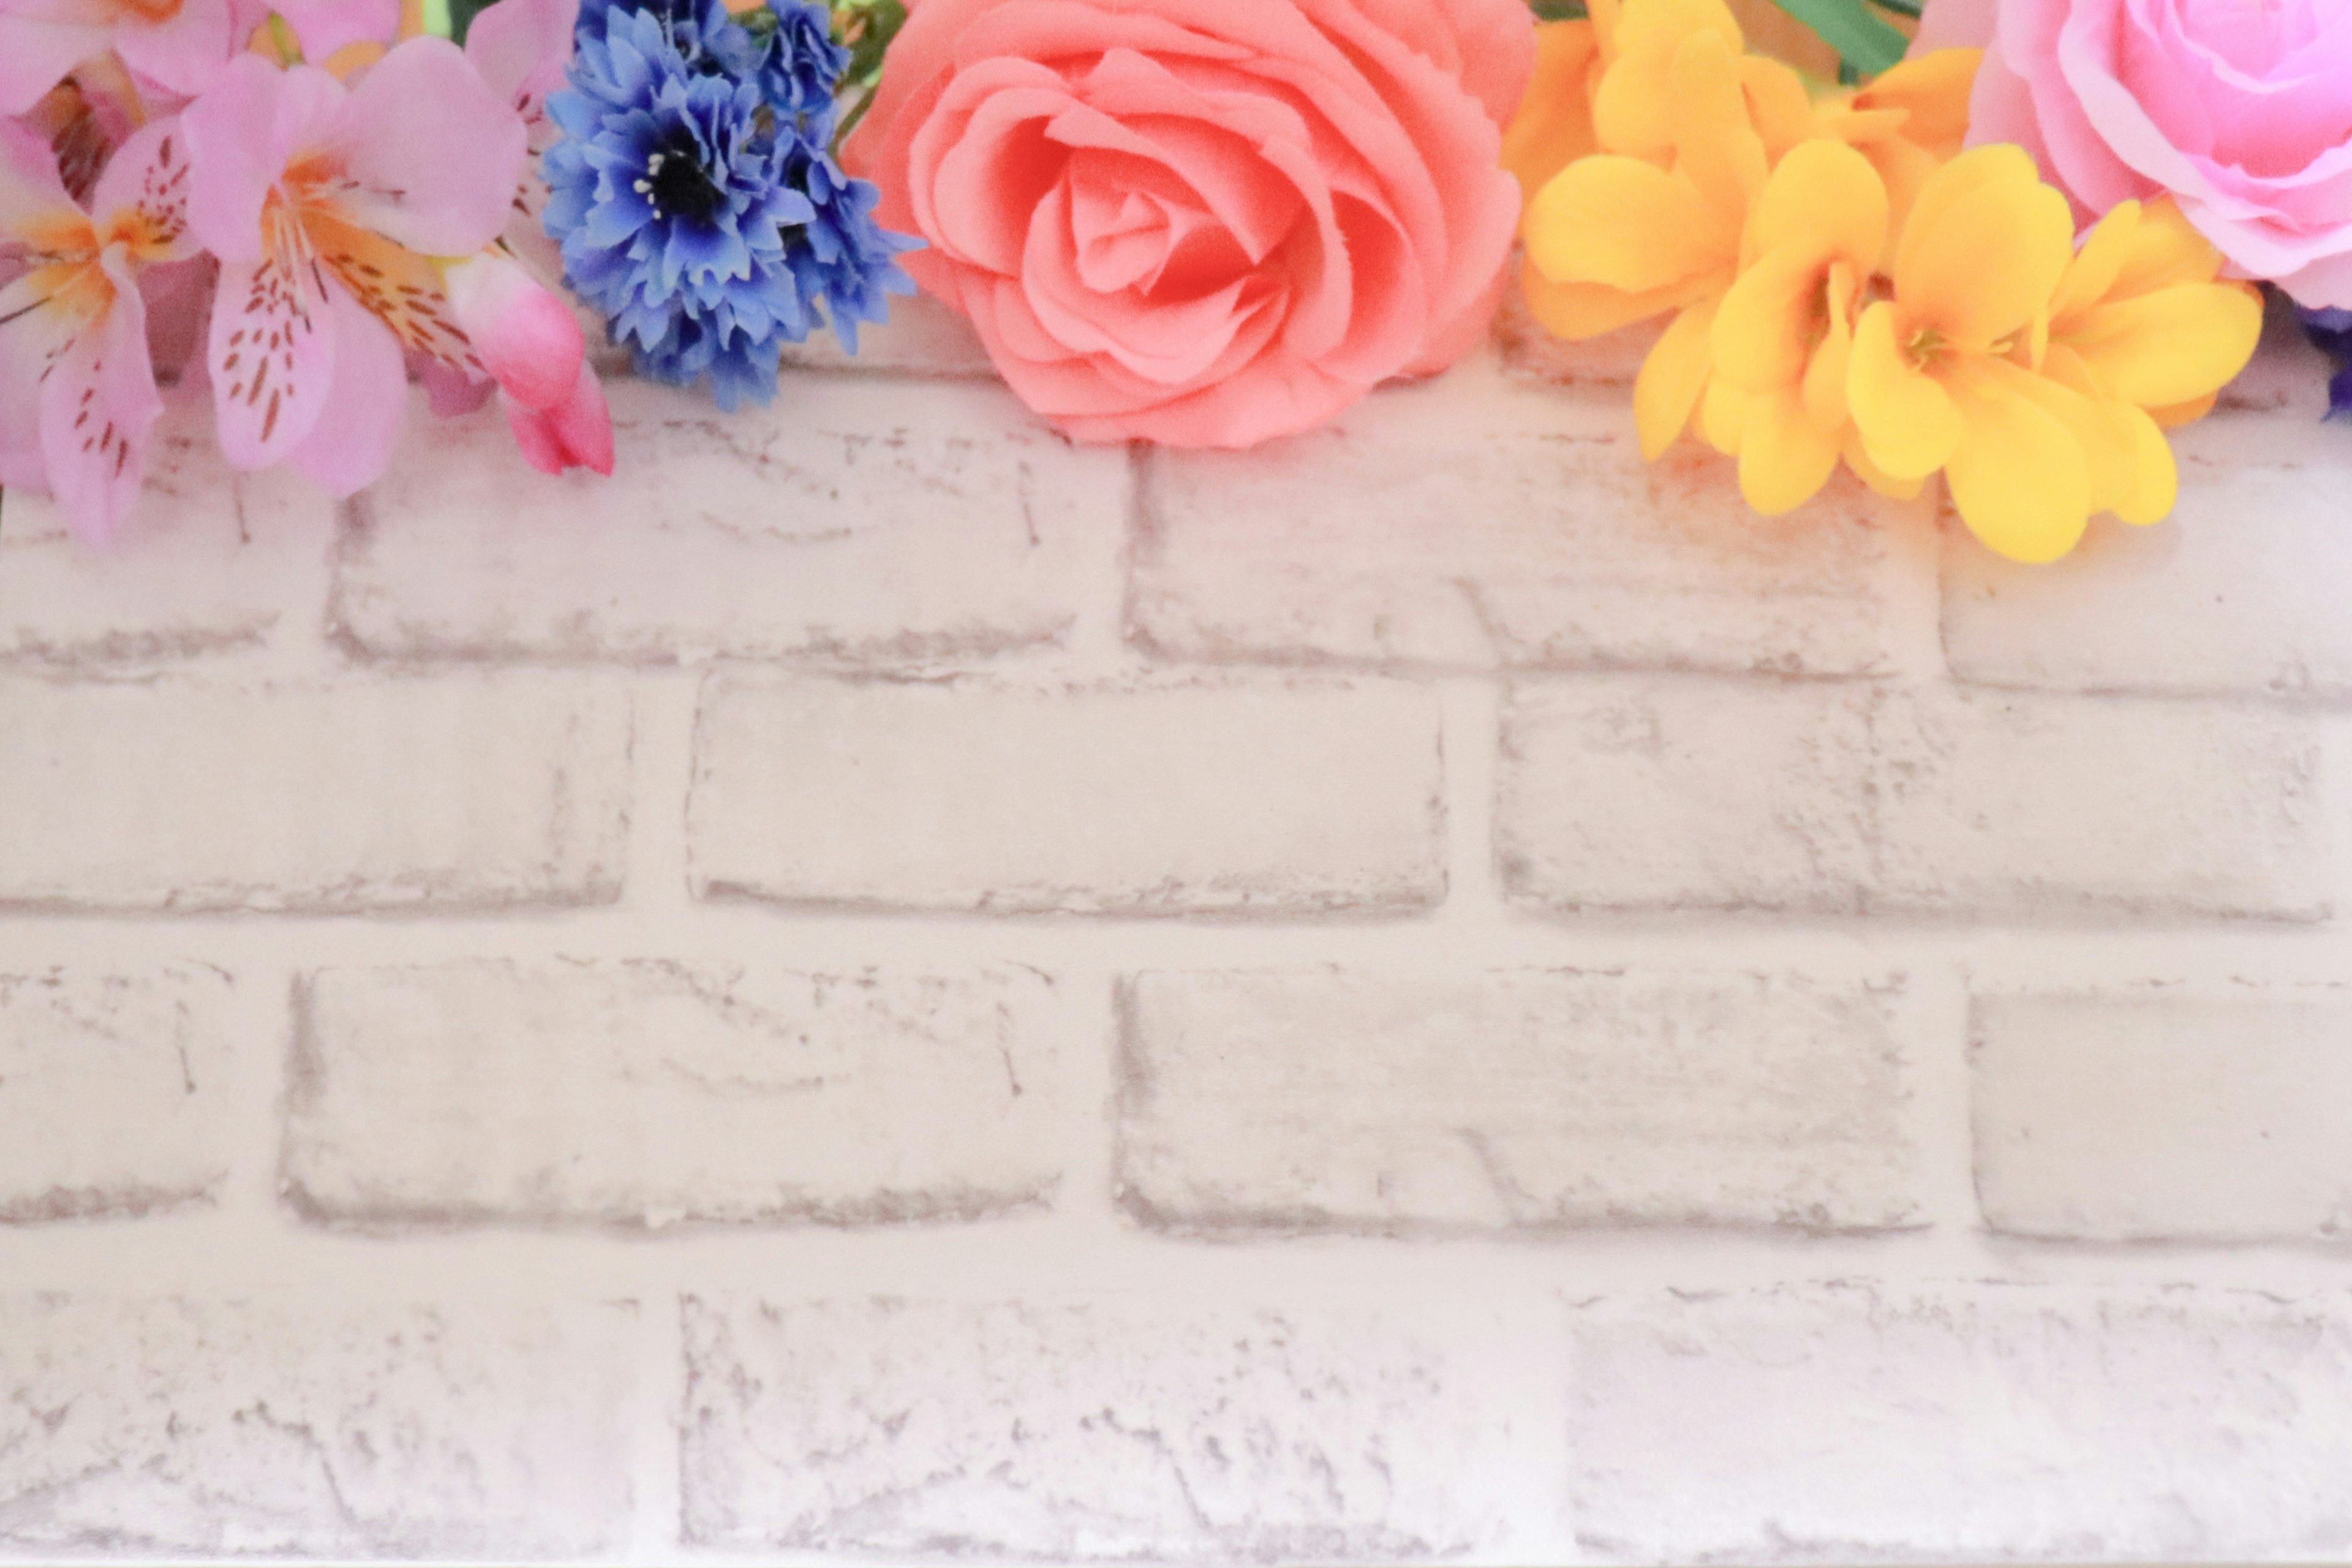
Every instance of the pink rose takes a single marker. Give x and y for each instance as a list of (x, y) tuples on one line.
[(1204, 222), (2240, 109)]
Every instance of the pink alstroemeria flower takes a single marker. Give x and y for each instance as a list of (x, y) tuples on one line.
[(180, 45), (78, 398), (327, 207)]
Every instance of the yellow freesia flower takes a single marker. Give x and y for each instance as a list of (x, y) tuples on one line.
[(1935, 380), (1910, 122), (1614, 239), (1783, 337), (1553, 127)]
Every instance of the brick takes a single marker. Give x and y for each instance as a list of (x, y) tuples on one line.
[(2161, 1116), (1530, 353), (209, 562), (1848, 1423), (1278, 798), (1091, 1431), (1628, 793), (922, 337), (1511, 1100), (112, 1090), (858, 522), (2031, 806), (2235, 593), (1849, 798), (1481, 526), (180, 795), (643, 1093), (179, 1427)]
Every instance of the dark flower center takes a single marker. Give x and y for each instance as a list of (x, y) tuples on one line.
[(678, 185)]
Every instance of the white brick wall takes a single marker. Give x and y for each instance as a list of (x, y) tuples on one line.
[(550, 1018)]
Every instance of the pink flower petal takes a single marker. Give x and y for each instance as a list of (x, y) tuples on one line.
[(576, 433), (436, 155), (241, 135), (31, 193), (186, 51), (520, 48), (272, 354), (40, 42), (351, 443), (98, 406), (1956, 25), (527, 339), (150, 177), (325, 25)]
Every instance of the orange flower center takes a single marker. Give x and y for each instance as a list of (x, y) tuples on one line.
[(152, 12)]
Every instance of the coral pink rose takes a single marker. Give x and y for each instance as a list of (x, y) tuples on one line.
[(1204, 222), (2241, 109)]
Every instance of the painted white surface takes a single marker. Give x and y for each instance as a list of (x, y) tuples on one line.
[(884, 987)]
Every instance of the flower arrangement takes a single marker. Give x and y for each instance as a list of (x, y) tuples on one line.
[(2011, 252), (314, 203)]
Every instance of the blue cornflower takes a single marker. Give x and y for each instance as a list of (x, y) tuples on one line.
[(2332, 331), (798, 65), (699, 213)]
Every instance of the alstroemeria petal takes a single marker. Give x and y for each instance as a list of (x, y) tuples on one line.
[(1908, 420), (1624, 222), (37, 52), (351, 444), (271, 353), (1672, 378), (141, 199), (435, 156), (33, 202), (2171, 346), (240, 136), (2017, 478), (98, 406), (527, 339)]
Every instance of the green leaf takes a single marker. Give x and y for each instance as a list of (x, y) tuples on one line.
[(461, 16), (1558, 10), (866, 26), (1861, 39)]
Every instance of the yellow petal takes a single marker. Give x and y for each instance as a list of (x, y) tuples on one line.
[(1627, 224), (1980, 268), (1763, 331), (1723, 415), (1858, 458), (2174, 416), (2172, 346), (1908, 420), (1934, 88), (2017, 477), (1672, 379), (1716, 147), (1554, 125), (1963, 177), (1777, 104), (1784, 457), (2070, 393), (2156, 474), (1578, 311), (2166, 251), (2096, 266), (1825, 376), (1825, 196)]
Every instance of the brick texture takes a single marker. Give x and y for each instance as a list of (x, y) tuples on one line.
[(1268, 799), (645, 1093), (1511, 1100), (112, 1091), (1853, 1424), (1856, 798), (1534, 538), (1092, 1431), (186, 796), (2161, 1116), (862, 523), (176, 1427), (210, 561), (2235, 593)]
